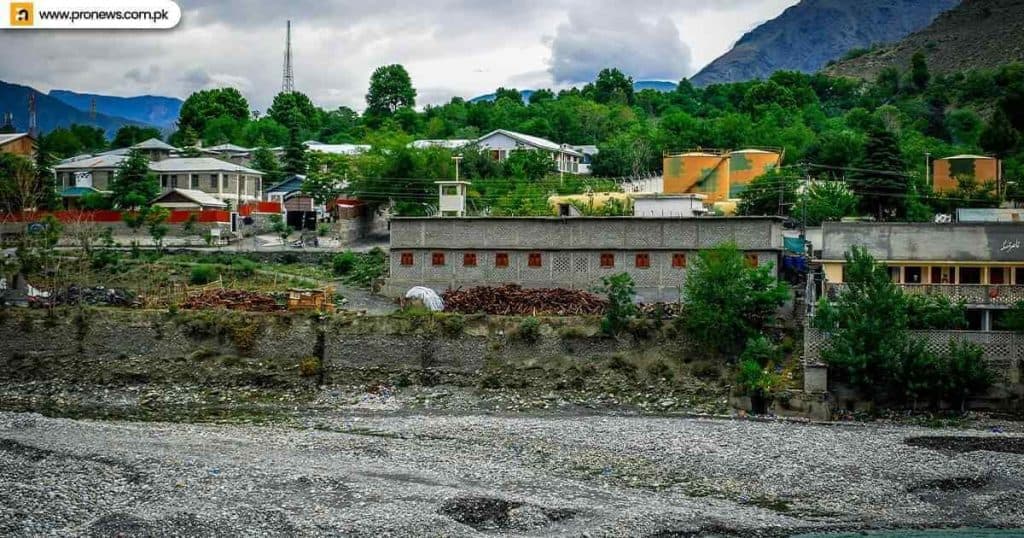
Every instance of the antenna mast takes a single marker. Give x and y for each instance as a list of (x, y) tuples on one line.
[(32, 129), (288, 82)]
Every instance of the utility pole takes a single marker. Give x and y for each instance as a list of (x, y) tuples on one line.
[(32, 127), (927, 170)]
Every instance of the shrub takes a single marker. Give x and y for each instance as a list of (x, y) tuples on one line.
[(244, 267), (203, 274), (453, 325), (343, 263), (529, 330), (619, 290), (964, 372), (309, 367)]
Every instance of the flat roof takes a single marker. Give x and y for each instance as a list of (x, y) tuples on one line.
[(584, 218)]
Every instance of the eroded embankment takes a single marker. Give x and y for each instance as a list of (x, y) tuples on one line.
[(186, 365)]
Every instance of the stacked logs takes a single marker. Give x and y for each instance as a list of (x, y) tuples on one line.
[(514, 300), (232, 300)]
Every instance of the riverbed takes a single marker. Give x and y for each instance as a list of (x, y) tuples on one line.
[(479, 474)]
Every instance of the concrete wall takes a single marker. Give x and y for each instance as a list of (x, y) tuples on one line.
[(980, 242), (570, 248)]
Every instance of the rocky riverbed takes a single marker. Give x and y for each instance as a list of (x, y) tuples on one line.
[(471, 474)]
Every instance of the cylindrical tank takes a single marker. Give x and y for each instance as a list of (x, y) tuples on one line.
[(947, 171), (696, 172), (747, 164)]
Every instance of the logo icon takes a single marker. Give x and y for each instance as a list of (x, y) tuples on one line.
[(22, 14)]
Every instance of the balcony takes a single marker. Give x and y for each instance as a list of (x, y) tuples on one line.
[(972, 294)]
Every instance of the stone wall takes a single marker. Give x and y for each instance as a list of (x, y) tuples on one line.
[(571, 250), (218, 347)]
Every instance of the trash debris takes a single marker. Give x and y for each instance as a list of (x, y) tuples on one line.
[(233, 300), (427, 296), (513, 299)]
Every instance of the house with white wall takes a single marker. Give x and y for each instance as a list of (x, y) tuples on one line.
[(500, 143)]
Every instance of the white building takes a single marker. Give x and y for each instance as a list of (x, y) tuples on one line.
[(224, 180), (501, 143), (646, 204), (452, 143)]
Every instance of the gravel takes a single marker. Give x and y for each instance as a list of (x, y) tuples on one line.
[(479, 474)]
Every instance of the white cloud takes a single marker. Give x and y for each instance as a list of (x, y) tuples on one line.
[(450, 47)]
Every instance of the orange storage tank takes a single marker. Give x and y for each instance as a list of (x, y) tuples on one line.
[(946, 171), (746, 165), (697, 172)]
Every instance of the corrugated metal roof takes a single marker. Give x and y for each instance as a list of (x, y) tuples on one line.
[(202, 198), (965, 156), (154, 143), (200, 164), (531, 140), (11, 137), (98, 161)]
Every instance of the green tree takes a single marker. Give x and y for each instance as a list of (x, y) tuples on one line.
[(727, 300), (620, 291), (999, 136), (129, 135), (828, 201), (528, 164), (294, 153), (133, 185), (390, 89), (295, 108), (279, 227), (613, 86), (205, 105), (327, 176), (46, 179), (867, 325), (773, 193), (265, 161), (881, 183), (156, 222), (19, 183), (919, 71), (964, 127)]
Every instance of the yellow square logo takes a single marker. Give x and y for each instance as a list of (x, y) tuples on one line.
[(22, 14)]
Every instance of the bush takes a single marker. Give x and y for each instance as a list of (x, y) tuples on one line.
[(452, 325), (343, 263), (309, 367), (964, 373), (203, 274), (529, 330), (244, 267), (619, 290)]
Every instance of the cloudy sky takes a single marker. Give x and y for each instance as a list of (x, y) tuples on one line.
[(450, 47)]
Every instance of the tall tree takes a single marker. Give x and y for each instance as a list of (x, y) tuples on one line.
[(265, 161), (19, 185), (390, 89), (133, 185), (295, 108), (205, 105), (919, 71), (999, 136), (881, 179), (613, 86), (129, 135), (294, 153)]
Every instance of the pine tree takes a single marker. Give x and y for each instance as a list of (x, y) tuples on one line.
[(881, 181), (294, 154), (134, 185)]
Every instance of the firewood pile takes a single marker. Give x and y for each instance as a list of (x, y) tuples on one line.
[(514, 300), (232, 300)]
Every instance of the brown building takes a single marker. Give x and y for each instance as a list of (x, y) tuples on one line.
[(18, 144)]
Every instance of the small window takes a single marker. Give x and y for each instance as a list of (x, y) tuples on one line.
[(449, 190), (679, 260), (437, 258), (534, 260), (1018, 274), (607, 259), (643, 260), (912, 275), (213, 181), (469, 259), (501, 259), (407, 258), (996, 275), (942, 275), (750, 260)]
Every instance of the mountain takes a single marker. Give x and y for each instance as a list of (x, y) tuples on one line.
[(806, 36), (52, 112), (977, 33), (657, 85), (151, 109)]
